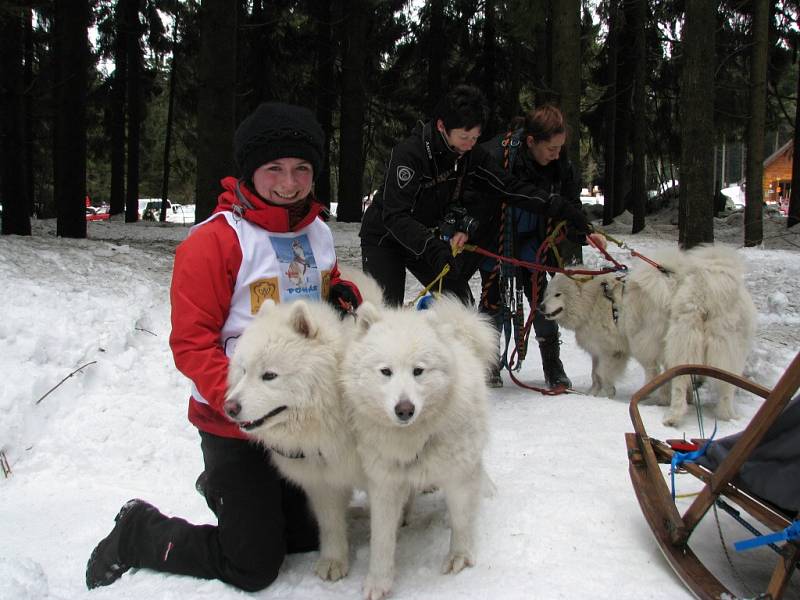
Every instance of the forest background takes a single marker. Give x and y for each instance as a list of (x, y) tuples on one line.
[(140, 98)]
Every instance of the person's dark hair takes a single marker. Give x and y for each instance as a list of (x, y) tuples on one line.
[(462, 107), (542, 123)]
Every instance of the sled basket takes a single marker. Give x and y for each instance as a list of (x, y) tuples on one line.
[(673, 530)]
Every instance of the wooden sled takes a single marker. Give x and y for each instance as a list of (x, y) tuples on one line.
[(673, 530)]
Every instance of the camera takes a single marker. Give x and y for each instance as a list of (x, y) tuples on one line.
[(457, 219)]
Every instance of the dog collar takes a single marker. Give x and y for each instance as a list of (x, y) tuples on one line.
[(296, 454)]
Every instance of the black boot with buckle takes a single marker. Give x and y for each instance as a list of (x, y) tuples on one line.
[(554, 374)]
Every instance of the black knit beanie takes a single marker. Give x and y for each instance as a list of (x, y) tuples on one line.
[(276, 130)]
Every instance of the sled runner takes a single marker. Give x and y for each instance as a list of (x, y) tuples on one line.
[(723, 485)]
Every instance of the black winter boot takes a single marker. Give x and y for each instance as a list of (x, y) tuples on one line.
[(554, 374), (493, 378), (106, 563)]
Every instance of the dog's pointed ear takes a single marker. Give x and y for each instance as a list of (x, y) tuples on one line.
[(367, 315), (301, 321)]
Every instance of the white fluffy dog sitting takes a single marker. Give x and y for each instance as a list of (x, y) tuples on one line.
[(699, 312), (415, 383), (284, 392)]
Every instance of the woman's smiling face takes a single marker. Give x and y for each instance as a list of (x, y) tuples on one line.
[(284, 180)]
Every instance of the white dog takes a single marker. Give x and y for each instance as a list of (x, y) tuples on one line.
[(698, 312), (415, 383), (283, 391)]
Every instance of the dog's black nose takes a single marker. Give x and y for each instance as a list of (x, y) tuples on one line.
[(404, 410), (232, 408)]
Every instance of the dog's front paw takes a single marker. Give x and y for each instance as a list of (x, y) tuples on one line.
[(599, 389), (377, 588), (456, 562), (331, 569)]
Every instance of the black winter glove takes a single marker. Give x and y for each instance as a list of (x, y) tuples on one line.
[(344, 296), (439, 254), (561, 209)]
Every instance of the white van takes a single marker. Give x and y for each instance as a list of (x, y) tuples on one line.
[(150, 210)]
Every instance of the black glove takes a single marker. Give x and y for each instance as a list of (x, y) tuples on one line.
[(561, 209), (344, 296), (439, 254)]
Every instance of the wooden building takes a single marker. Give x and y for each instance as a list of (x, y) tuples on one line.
[(777, 181)]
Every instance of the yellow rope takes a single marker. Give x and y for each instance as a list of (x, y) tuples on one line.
[(439, 278), (610, 237)]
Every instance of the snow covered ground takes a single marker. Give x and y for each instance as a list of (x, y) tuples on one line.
[(564, 522)]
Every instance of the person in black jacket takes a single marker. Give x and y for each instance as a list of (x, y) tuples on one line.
[(531, 152), (419, 212)]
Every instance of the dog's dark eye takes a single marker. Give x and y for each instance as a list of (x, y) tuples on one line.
[(269, 376), (557, 295), (386, 371), (418, 371)]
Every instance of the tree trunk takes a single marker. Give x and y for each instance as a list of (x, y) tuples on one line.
[(353, 105), (27, 109), (119, 85), (543, 52), (512, 106), (489, 66), (134, 103), (436, 55), (638, 186), (794, 199), (696, 207), (622, 138), (754, 193), (567, 71), (326, 93), (257, 54), (216, 106), (71, 47), (610, 115), (15, 217), (567, 86), (168, 125)]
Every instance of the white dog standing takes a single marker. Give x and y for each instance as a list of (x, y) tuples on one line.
[(415, 384), (698, 312)]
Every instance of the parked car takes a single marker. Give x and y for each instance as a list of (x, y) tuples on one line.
[(150, 210), (97, 213)]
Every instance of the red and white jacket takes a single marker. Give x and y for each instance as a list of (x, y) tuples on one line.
[(223, 271)]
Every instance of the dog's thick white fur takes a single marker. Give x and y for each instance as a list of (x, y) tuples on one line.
[(415, 383), (284, 392), (699, 312)]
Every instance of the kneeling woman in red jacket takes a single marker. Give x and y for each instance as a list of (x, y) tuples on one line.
[(265, 240)]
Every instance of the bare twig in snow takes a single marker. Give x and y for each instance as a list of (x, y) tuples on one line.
[(63, 380)]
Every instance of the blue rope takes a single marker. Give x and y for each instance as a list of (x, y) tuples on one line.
[(792, 532), (678, 458)]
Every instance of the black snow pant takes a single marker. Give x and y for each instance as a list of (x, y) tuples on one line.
[(388, 264), (260, 518)]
